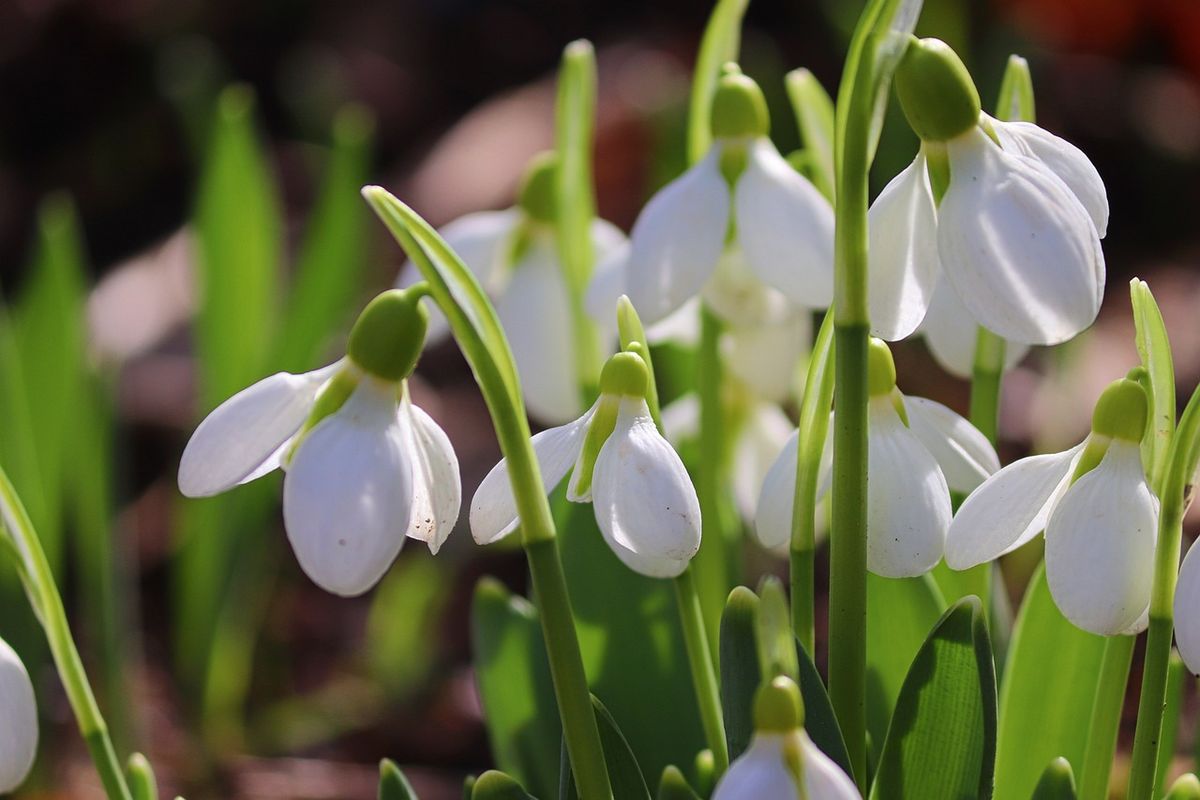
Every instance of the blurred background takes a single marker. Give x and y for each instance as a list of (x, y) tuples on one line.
[(143, 137)]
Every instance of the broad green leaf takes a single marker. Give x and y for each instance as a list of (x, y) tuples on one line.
[(1046, 697), (623, 771), (392, 783), (813, 108), (1177, 673), (513, 677), (941, 742), (721, 43), (1057, 782), (741, 667), (900, 614), (819, 720), (140, 775), (673, 786), (1155, 352), (333, 254), (495, 785)]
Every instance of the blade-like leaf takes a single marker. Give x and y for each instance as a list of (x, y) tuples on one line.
[(1155, 352), (513, 677), (741, 667), (623, 771), (392, 783), (673, 786), (1057, 782), (941, 742), (813, 108), (819, 719), (721, 43), (1177, 673), (495, 785), (1046, 698), (140, 775), (776, 641)]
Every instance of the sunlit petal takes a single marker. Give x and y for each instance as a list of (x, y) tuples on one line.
[(964, 454)]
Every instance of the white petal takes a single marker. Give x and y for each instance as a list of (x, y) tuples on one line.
[(480, 239), (785, 227), (681, 419), (1062, 158), (739, 296), (644, 500), (760, 773), (964, 454), (437, 487), (902, 263), (1187, 610), (244, 433), (823, 778), (607, 239), (951, 332), (681, 326), (1017, 245), (766, 357), (534, 310), (1009, 508), (494, 509), (761, 437), (1100, 544), (677, 239), (776, 500), (347, 497), (908, 502), (19, 729)]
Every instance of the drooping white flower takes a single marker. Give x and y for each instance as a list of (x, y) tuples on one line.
[(783, 225), (951, 333), (644, 501), (781, 756), (1100, 527), (365, 467), (18, 721), (514, 256), (1016, 233), (1187, 610), (913, 461)]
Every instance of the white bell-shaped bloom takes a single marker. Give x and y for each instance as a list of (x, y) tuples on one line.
[(18, 721), (530, 296), (365, 467), (1187, 610), (762, 772), (643, 499), (951, 333)]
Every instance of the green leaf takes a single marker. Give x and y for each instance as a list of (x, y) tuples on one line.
[(1155, 352), (819, 719), (333, 254), (140, 775), (1046, 697), (900, 613), (673, 786), (741, 667), (941, 742), (405, 613), (392, 783), (776, 641), (495, 785), (721, 43), (513, 677), (623, 771), (1177, 673), (1057, 782), (813, 108), (1016, 92)]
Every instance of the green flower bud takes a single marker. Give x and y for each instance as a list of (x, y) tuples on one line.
[(538, 196), (625, 374), (936, 91), (881, 369), (1121, 411), (1186, 788), (778, 706), (738, 108), (388, 337)]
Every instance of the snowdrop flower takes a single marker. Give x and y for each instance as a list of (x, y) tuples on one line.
[(1010, 214), (365, 467), (951, 333), (783, 225), (918, 451), (644, 501), (1098, 514), (19, 726), (514, 255), (781, 757), (1187, 610)]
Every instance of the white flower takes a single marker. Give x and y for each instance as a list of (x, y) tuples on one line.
[(1187, 610), (912, 469), (19, 726), (951, 332), (530, 297), (1100, 530), (644, 501), (762, 772), (371, 470)]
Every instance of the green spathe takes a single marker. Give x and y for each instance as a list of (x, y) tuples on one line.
[(739, 108), (881, 369), (538, 196), (936, 92), (778, 707), (1121, 411), (386, 340)]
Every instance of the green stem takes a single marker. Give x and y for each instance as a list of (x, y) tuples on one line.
[(1106, 716), (711, 564), (801, 563), (986, 374), (47, 604), (580, 732), (704, 674)]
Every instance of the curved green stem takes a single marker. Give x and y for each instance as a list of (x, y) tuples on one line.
[(47, 604), (704, 674), (1106, 716)]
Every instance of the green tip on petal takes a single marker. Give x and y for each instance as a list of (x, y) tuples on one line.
[(539, 193), (386, 340), (738, 108), (625, 374), (778, 707), (881, 369), (936, 92), (1121, 411), (1186, 788)]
